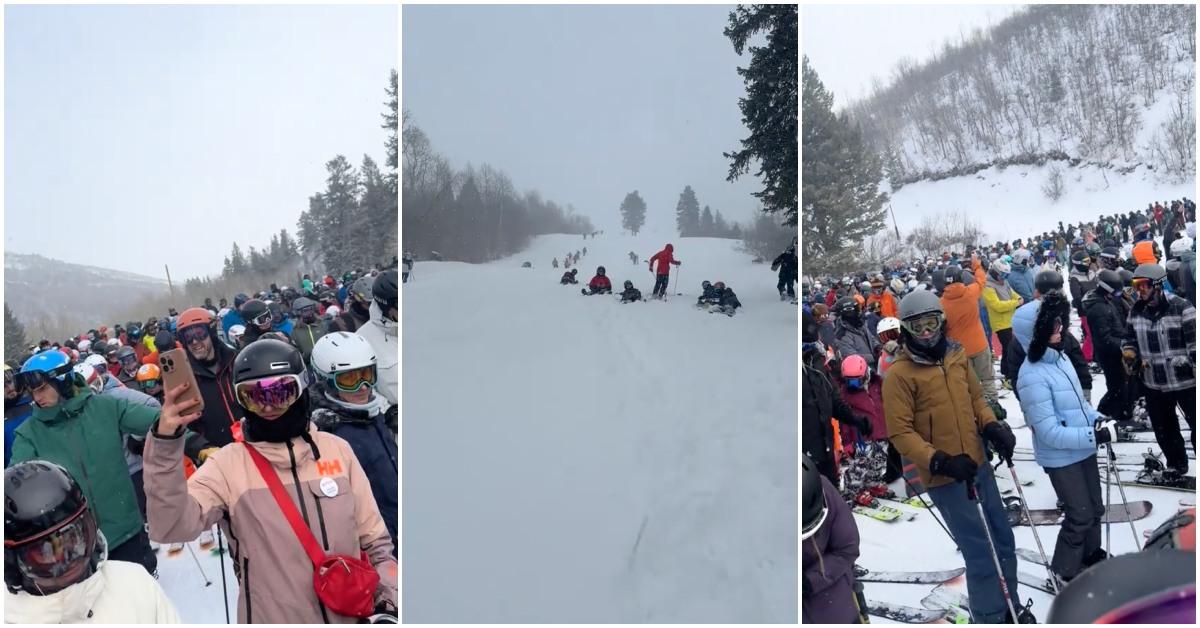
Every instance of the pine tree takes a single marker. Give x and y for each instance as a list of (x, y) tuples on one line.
[(339, 208), (720, 227), (842, 202), (687, 213), (14, 334), (633, 212), (378, 213), (237, 261), (707, 228), (769, 107), (390, 118), (470, 216)]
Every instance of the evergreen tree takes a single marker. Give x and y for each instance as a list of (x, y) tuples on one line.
[(633, 212), (308, 229), (687, 213), (339, 208), (471, 223), (720, 227), (842, 202), (390, 118), (378, 214), (769, 108), (237, 261), (707, 228), (14, 334)]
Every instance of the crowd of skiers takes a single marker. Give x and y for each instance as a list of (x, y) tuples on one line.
[(288, 445), (904, 358)]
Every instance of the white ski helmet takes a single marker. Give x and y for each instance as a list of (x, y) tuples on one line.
[(333, 311), (96, 361), (85, 345), (236, 331), (338, 352), (1180, 245), (1021, 257), (90, 376), (912, 284), (890, 323)]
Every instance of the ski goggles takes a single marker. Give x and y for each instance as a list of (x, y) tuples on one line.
[(1142, 284), (129, 360), (194, 333), (923, 325), (56, 551), (307, 312), (262, 319), (33, 380), (889, 335), (270, 395), (149, 384), (354, 379), (856, 383)]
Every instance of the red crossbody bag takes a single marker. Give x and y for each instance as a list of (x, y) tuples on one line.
[(344, 584)]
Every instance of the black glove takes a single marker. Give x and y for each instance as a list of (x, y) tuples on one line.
[(1001, 438), (959, 467), (1106, 431), (135, 446), (864, 425)]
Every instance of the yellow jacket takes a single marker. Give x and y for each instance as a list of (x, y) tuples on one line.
[(1000, 313)]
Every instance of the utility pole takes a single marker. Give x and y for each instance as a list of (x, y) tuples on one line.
[(170, 285), (894, 225)]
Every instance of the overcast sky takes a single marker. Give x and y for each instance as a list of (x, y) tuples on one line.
[(141, 134), (584, 103), (849, 44)]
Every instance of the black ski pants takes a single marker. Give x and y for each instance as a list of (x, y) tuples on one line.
[(1115, 402), (660, 284), (1078, 488), (1161, 407), (1005, 336), (136, 550), (788, 281)]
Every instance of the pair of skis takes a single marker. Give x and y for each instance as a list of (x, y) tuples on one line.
[(900, 612)]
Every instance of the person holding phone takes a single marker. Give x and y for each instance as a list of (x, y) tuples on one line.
[(212, 364), (319, 474)]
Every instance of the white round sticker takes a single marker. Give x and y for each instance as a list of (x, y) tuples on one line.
[(329, 487)]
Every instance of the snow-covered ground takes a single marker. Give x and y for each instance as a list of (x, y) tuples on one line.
[(1009, 204), (184, 583), (921, 544), (571, 459)]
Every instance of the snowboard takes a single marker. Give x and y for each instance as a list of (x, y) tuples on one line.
[(1052, 516), (882, 513), (904, 614), (913, 502), (908, 577)]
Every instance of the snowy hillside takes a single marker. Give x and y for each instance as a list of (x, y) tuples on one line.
[(572, 459), (921, 544), (1009, 204)]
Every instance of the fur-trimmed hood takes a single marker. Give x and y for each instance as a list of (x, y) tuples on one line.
[(1033, 323)]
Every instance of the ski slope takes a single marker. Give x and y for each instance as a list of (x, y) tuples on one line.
[(921, 544), (184, 584), (571, 459)]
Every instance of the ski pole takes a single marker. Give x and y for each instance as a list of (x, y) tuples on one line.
[(972, 495), (1112, 463), (678, 271), (1025, 506), (926, 504), (207, 582), (1108, 500), (224, 592)]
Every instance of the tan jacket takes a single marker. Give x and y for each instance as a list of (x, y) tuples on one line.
[(931, 407), (273, 570)]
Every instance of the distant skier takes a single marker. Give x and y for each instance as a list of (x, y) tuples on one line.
[(633, 258), (569, 277), (709, 294), (599, 284), (786, 264), (585, 251), (662, 277), (554, 264), (630, 294)]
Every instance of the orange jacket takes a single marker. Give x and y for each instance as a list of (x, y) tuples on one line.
[(887, 303), (1143, 252), (960, 301)]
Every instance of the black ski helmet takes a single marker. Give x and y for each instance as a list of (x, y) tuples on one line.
[(628, 284), (1109, 281), (386, 290), (252, 309), (813, 505), (809, 328), (574, 271), (1080, 260), (705, 285), (1126, 276), (43, 502), (846, 305), (952, 274), (599, 270), (267, 357), (1047, 280)]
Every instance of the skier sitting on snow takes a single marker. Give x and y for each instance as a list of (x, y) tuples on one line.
[(710, 294), (1065, 431), (728, 302), (630, 294), (599, 284), (569, 277), (936, 414)]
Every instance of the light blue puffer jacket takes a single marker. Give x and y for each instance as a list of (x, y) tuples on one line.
[(1021, 281), (1052, 400)]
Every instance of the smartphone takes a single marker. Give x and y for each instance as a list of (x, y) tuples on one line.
[(176, 370)]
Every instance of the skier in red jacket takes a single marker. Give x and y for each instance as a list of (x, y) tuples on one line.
[(599, 284), (663, 275)]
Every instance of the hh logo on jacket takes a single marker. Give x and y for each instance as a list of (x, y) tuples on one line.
[(329, 467)]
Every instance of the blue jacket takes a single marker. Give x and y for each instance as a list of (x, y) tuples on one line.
[(987, 323), (374, 445), (1061, 420), (14, 416), (232, 317), (1021, 281), (284, 326)]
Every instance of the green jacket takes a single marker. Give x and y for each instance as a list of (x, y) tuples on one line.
[(306, 336), (84, 434)]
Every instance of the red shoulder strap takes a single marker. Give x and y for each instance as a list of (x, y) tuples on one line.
[(315, 554)]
